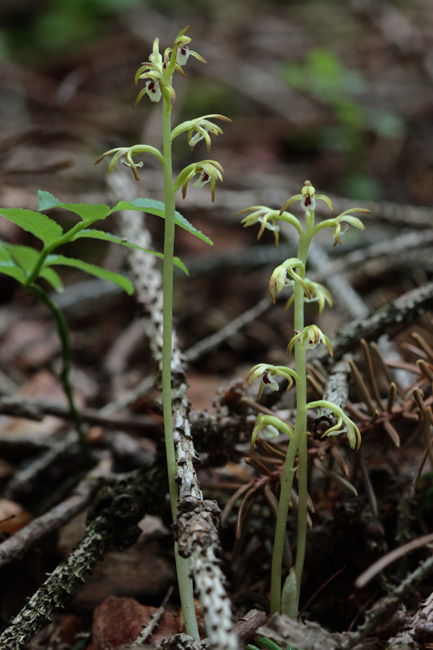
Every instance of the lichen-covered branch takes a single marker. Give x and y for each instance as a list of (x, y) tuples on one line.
[(385, 608), (113, 521), (200, 526), (399, 312), (198, 540)]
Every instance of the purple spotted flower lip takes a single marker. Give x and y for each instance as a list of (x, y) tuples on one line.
[(158, 70), (267, 374), (208, 171)]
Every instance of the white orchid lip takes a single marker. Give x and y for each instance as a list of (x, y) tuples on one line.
[(182, 55)]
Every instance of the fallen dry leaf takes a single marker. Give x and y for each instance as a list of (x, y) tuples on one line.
[(118, 621), (12, 516)]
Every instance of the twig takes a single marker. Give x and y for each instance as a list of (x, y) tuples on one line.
[(399, 312), (153, 623), (38, 409), (16, 546), (385, 607), (198, 540), (113, 521), (24, 480), (383, 562)]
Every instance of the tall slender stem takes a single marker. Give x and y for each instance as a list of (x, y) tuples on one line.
[(297, 445), (182, 565)]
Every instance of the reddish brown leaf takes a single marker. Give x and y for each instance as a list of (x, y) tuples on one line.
[(118, 621)]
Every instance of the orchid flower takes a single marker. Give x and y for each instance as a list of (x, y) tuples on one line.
[(279, 278), (309, 338), (209, 171), (270, 426), (344, 424), (199, 129), (267, 373)]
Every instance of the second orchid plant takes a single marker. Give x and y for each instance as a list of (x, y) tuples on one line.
[(292, 273), (157, 76)]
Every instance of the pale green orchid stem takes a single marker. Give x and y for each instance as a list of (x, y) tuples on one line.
[(297, 445), (182, 565)]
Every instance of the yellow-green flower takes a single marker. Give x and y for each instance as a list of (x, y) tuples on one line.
[(344, 424), (270, 426), (309, 338), (341, 223), (266, 217), (284, 275), (210, 171), (267, 373), (308, 199), (125, 156), (199, 129)]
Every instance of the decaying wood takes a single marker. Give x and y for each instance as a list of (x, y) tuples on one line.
[(417, 632)]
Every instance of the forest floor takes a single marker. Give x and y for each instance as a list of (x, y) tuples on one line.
[(338, 93)]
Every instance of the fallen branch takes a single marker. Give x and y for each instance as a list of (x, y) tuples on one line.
[(18, 544), (113, 520)]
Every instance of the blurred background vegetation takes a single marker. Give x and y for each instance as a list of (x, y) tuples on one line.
[(339, 91)]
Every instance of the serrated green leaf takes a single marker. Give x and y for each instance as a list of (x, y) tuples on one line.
[(53, 278), (8, 265), (39, 225), (12, 270), (92, 269), (5, 256), (25, 256), (106, 236), (89, 212), (47, 200), (157, 208)]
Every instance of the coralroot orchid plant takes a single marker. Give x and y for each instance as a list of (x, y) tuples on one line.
[(292, 273), (157, 75)]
